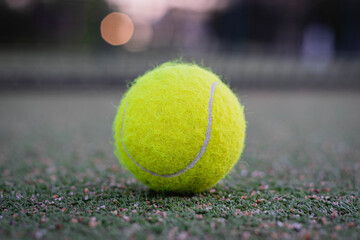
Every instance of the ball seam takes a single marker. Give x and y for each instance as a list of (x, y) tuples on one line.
[(198, 156)]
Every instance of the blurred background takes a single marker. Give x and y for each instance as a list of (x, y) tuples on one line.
[(251, 43), (294, 64)]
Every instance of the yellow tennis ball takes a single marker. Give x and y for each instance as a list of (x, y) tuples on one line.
[(179, 128)]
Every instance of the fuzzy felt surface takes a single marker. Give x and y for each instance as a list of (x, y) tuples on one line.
[(165, 124)]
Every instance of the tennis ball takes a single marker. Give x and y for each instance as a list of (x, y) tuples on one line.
[(179, 128)]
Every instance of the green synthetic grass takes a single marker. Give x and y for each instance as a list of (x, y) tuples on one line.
[(298, 177)]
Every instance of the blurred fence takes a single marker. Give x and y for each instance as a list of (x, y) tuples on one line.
[(35, 70)]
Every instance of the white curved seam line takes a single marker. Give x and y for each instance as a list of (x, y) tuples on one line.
[(202, 149)]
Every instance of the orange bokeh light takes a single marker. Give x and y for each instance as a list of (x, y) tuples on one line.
[(116, 28)]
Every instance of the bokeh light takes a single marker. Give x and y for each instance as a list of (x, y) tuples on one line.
[(149, 12), (141, 39), (116, 28), (150, 16), (18, 4)]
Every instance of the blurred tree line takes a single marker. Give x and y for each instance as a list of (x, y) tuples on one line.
[(51, 23), (279, 25), (282, 24)]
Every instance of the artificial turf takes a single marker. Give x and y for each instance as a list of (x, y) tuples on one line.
[(298, 177)]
